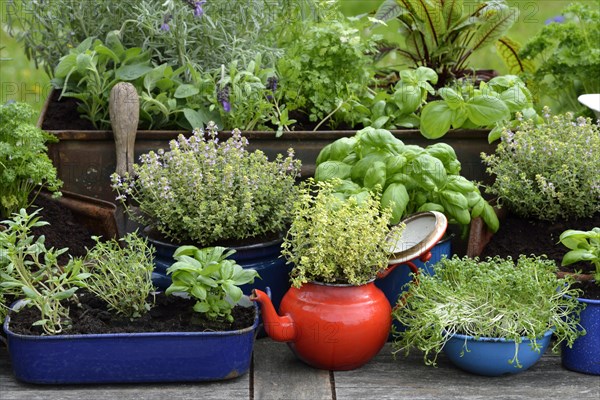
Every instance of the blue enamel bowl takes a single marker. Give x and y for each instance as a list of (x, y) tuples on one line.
[(492, 356)]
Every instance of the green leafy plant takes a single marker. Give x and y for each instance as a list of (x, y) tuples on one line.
[(568, 58), (24, 162), (226, 193), (121, 276), (411, 177), (491, 105), (443, 35), (89, 72), (337, 240), (28, 269), (210, 278), (495, 298), (324, 71), (398, 107), (583, 246), (549, 170)]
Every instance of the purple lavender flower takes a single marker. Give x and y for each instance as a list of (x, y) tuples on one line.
[(559, 19), (165, 25), (272, 83), (198, 11), (223, 98)]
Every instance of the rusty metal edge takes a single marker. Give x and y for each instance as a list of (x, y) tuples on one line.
[(99, 216)]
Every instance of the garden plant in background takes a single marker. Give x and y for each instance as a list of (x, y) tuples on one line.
[(445, 41), (24, 162), (227, 192), (495, 298), (568, 56), (209, 277), (120, 274), (548, 171)]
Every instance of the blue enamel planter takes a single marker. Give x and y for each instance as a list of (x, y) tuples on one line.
[(265, 258), (491, 356), (584, 356), (131, 357)]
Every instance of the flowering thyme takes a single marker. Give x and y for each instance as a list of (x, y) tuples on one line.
[(205, 190)]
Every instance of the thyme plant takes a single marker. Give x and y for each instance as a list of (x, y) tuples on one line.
[(24, 161), (208, 276), (206, 191), (337, 240), (496, 298), (550, 170), (28, 269), (122, 276)]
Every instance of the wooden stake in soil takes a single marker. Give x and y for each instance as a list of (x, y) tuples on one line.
[(124, 107), (124, 110)]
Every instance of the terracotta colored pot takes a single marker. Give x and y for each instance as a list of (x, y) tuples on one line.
[(332, 327)]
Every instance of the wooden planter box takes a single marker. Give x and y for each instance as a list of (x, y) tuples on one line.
[(86, 159)]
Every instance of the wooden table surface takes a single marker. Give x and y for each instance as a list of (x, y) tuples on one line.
[(277, 374)]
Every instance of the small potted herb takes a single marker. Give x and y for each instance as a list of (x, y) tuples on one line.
[(337, 246), (584, 246), (546, 179), (97, 320), (490, 317), (208, 192)]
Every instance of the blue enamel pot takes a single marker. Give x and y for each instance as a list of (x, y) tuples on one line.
[(131, 357), (492, 356), (264, 257), (584, 356)]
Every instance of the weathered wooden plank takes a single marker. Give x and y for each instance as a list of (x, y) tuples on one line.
[(279, 375), (11, 389), (409, 378)]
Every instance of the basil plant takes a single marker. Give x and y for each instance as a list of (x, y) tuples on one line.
[(411, 178)]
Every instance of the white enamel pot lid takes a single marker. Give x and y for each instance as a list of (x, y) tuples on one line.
[(423, 230)]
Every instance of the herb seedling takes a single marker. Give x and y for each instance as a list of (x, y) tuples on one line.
[(496, 298), (29, 269), (208, 276), (583, 246), (122, 276)]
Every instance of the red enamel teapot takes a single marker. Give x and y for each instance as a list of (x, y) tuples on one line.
[(341, 327)]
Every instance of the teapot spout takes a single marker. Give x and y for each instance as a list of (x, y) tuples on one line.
[(279, 328)]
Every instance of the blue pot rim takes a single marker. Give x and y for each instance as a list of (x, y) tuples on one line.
[(586, 301), (492, 339), (243, 331), (258, 245)]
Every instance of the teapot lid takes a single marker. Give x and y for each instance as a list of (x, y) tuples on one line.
[(423, 230)]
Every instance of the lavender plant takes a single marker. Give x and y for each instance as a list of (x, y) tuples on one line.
[(550, 170), (207, 191), (121, 276)]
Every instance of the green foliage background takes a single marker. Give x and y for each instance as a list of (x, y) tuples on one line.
[(19, 80)]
